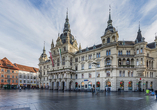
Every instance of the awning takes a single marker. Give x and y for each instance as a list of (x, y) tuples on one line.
[(21, 84), (33, 84)]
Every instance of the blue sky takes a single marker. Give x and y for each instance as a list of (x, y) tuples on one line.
[(26, 24)]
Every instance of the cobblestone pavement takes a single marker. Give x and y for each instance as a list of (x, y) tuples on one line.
[(53, 100)]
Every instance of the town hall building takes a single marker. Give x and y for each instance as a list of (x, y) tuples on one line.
[(125, 65)]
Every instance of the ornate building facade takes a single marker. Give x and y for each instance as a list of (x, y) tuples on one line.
[(128, 65)]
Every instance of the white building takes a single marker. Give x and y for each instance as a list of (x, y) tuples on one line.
[(28, 76), (129, 65)]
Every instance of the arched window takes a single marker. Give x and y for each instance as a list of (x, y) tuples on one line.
[(108, 61), (137, 51), (128, 62), (63, 63), (137, 63), (141, 61), (108, 40), (141, 50)]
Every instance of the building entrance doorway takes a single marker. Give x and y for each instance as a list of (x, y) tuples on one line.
[(70, 84), (52, 85), (139, 86), (57, 85), (63, 84)]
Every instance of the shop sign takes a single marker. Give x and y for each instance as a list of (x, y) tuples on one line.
[(86, 80)]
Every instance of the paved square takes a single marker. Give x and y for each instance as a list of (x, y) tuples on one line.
[(53, 100)]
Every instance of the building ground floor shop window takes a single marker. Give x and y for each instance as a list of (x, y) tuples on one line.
[(130, 85), (122, 85)]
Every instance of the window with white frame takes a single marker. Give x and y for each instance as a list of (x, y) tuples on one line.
[(98, 64), (137, 51), (141, 50), (98, 55), (90, 56), (90, 75), (98, 75), (120, 73), (82, 58), (82, 66), (137, 63), (123, 73), (128, 73), (82, 75), (89, 65)]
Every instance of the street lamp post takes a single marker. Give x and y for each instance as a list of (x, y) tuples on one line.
[(95, 64)]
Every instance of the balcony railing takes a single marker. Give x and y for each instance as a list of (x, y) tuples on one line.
[(126, 66), (126, 55)]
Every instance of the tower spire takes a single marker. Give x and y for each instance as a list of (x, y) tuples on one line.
[(109, 20), (66, 24), (139, 27), (67, 14), (44, 49)]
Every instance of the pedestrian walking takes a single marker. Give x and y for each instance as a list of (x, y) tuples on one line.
[(20, 88)]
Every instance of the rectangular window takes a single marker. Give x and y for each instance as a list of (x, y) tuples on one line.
[(137, 51), (8, 76), (12, 81), (82, 66), (123, 73), (90, 75), (98, 64), (82, 75), (98, 55), (90, 57), (76, 59), (120, 73), (89, 65), (24, 81), (76, 76), (12, 71), (20, 81), (76, 67), (98, 75), (16, 81), (2, 80), (109, 52), (12, 76), (141, 50), (2, 70), (8, 71), (82, 59)]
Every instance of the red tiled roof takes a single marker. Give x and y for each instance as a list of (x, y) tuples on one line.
[(27, 68), (5, 63)]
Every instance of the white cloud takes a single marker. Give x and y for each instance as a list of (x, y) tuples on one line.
[(25, 26)]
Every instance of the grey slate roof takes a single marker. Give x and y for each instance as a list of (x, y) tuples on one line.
[(90, 48), (126, 42), (151, 45)]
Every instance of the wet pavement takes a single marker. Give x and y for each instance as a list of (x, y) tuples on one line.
[(53, 100)]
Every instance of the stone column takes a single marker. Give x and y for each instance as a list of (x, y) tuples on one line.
[(125, 85)]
